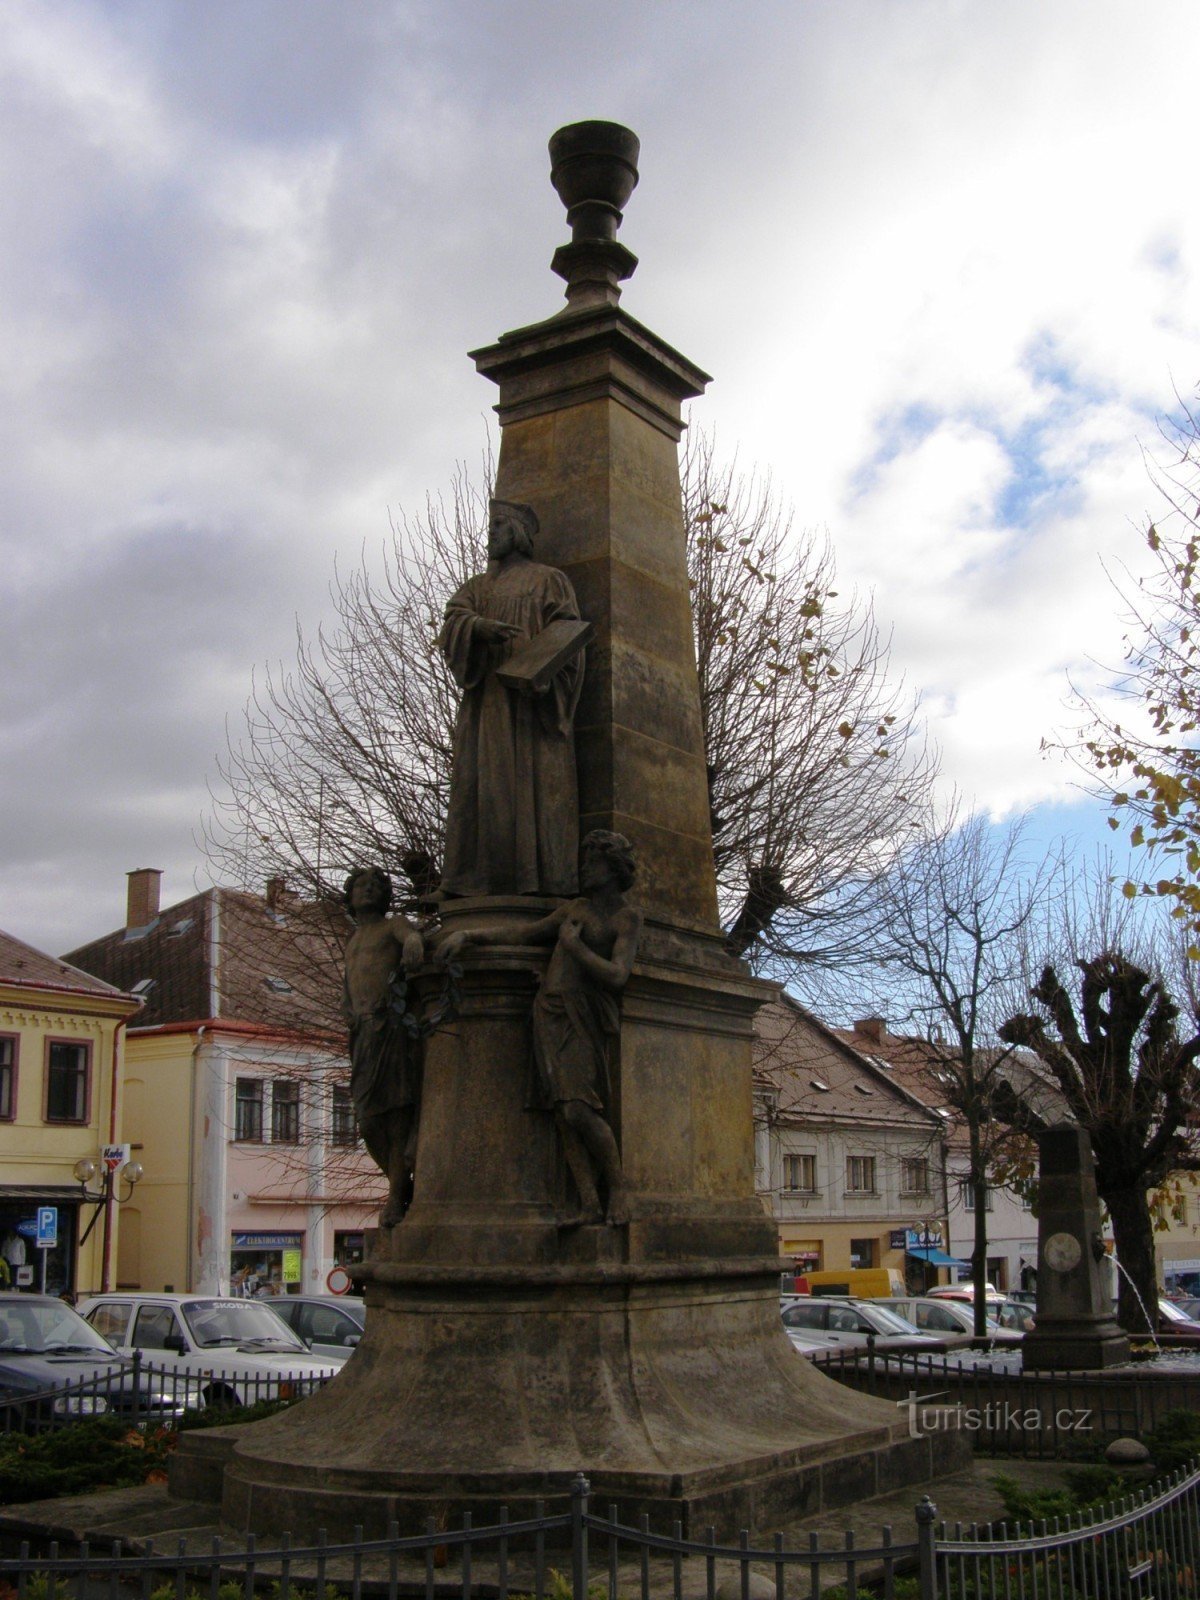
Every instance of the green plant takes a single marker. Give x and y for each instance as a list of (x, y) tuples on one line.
[(1084, 1486), (225, 1416), (100, 1453), (1175, 1441)]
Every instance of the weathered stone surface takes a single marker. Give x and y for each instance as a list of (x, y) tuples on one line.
[(1075, 1327), (1127, 1453)]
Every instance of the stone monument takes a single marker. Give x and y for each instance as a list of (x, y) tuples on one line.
[(585, 1278), (1075, 1326)]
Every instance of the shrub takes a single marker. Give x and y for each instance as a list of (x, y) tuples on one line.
[(1175, 1441), (100, 1453)]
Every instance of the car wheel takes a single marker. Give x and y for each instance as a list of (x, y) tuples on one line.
[(221, 1397)]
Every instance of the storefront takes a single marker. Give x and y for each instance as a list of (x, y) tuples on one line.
[(23, 1261), (349, 1249), (266, 1263), (924, 1255)]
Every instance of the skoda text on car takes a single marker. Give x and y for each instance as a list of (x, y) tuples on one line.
[(54, 1367), (240, 1349)]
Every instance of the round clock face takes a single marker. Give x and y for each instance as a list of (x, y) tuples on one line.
[(1063, 1251)]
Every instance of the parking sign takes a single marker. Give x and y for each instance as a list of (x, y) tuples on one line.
[(47, 1227)]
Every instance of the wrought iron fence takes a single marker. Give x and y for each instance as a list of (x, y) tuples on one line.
[(1040, 1414), (141, 1391), (1145, 1547)]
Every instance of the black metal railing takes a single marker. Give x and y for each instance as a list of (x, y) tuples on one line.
[(1044, 1415), (1146, 1545), (144, 1391)]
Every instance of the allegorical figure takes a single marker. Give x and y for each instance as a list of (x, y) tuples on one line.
[(513, 820), (576, 1013), (385, 1057)]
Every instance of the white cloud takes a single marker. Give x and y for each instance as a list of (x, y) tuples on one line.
[(940, 258)]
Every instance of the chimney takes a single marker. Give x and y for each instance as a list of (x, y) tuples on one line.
[(141, 905), (872, 1028), (276, 893)]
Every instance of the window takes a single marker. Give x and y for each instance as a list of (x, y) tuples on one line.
[(111, 1320), (66, 1081), (862, 1253), (8, 1077), (248, 1119), (278, 985), (968, 1197), (285, 1112), (860, 1174), (343, 1129), (800, 1172), (156, 1325), (914, 1175)]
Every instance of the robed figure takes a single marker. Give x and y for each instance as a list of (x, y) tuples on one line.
[(513, 823)]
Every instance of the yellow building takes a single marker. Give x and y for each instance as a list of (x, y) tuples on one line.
[(236, 1098), (61, 1049)]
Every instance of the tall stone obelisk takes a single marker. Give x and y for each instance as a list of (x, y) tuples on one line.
[(507, 1344)]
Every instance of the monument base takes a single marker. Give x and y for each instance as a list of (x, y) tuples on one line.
[(674, 1389), (1074, 1344)]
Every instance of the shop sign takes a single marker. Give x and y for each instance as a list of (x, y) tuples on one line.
[(267, 1241), (291, 1266), (115, 1156), (1170, 1267), (898, 1239), (922, 1239)]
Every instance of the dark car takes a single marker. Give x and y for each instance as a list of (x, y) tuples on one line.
[(54, 1368), (330, 1324)]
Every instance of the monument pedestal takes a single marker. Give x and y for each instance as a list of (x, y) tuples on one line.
[(506, 1350), (507, 1346)]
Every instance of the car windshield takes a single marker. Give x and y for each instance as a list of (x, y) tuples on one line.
[(886, 1321), (40, 1326), (240, 1322)]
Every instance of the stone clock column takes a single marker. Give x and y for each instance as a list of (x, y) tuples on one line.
[(1075, 1324)]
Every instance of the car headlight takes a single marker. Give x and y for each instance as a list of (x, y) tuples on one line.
[(80, 1405)]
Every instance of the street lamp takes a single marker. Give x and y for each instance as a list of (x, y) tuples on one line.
[(104, 1199)]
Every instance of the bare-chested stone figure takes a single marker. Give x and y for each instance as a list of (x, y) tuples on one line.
[(386, 1056), (576, 1014)]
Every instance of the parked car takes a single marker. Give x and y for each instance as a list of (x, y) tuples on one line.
[(952, 1320), (853, 1283), (1175, 1326), (1016, 1314), (48, 1350), (239, 1348), (330, 1324), (854, 1323), (965, 1290)]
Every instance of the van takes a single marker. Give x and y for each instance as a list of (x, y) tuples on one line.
[(863, 1283)]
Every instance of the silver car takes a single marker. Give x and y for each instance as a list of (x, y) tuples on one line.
[(952, 1321), (331, 1325), (852, 1323)]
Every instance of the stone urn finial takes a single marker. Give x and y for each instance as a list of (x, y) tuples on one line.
[(593, 166)]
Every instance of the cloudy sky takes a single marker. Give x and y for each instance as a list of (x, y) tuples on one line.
[(941, 258)]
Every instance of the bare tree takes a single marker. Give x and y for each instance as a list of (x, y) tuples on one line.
[(1113, 1041), (817, 766), (952, 918)]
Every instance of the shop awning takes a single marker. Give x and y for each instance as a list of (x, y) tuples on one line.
[(937, 1258)]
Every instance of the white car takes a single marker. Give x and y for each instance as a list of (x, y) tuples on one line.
[(240, 1349), (952, 1320), (851, 1323)]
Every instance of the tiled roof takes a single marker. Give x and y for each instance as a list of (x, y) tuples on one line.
[(22, 963), (227, 955), (816, 1074)]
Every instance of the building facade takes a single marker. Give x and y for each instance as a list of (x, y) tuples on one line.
[(850, 1166), (62, 1041), (237, 1100)]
